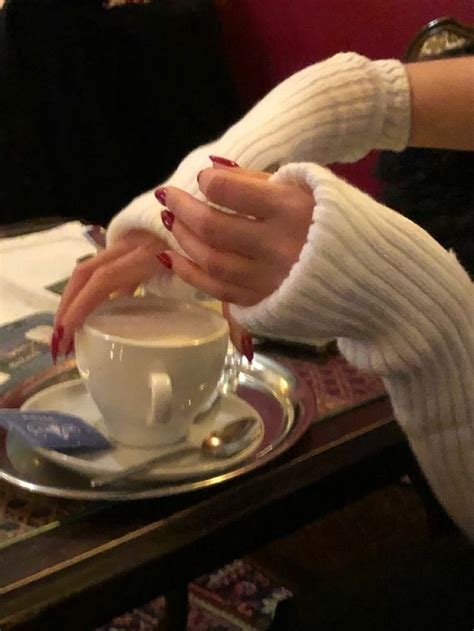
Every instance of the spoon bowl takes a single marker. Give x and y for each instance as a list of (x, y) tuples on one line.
[(230, 439)]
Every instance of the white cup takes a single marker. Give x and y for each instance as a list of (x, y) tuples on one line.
[(151, 365)]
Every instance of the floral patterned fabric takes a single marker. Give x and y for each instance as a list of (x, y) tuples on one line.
[(236, 597), (110, 4)]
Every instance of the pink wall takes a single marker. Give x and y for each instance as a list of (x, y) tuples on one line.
[(267, 40)]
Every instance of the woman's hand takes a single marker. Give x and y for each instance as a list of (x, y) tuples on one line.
[(238, 258), (117, 270), (242, 257)]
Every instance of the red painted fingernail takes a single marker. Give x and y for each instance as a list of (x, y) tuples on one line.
[(165, 259), (247, 346), (58, 335), (160, 195), (225, 162), (70, 348), (167, 218)]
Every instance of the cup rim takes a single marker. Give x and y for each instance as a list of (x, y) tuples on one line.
[(126, 341)]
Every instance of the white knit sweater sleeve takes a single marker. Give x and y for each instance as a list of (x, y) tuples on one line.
[(333, 111), (401, 306)]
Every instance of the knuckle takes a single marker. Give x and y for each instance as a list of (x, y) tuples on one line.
[(218, 188), (225, 295), (208, 228), (214, 267), (296, 205), (104, 275), (280, 253), (220, 268), (82, 270)]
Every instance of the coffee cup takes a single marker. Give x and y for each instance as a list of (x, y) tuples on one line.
[(151, 364)]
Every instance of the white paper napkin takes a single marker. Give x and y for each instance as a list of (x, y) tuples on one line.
[(30, 263)]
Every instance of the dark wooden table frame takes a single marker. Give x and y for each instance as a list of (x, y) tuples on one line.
[(83, 573)]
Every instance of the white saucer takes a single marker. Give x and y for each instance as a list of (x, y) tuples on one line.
[(72, 397)]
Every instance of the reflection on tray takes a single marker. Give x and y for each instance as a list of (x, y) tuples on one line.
[(285, 405)]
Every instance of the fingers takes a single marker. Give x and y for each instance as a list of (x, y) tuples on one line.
[(264, 241), (244, 194), (258, 175), (235, 257), (84, 271), (225, 266), (120, 275), (238, 258), (240, 337), (103, 276), (126, 291), (220, 230), (194, 275), (235, 330)]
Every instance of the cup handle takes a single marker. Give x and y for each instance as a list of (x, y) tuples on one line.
[(161, 396)]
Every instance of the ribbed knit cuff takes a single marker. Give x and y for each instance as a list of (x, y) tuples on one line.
[(401, 306), (395, 129), (374, 279)]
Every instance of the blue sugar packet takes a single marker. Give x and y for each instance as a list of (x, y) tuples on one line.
[(52, 430)]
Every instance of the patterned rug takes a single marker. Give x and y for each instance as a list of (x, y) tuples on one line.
[(236, 597)]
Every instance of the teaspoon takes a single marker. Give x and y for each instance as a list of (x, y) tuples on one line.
[(222, 443)]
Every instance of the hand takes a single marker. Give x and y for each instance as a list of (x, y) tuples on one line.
[(117, 270), (243, 257)]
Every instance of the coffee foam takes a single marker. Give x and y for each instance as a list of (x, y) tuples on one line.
[(155, 324)]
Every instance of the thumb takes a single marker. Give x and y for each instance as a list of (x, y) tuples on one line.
[(230, 165)]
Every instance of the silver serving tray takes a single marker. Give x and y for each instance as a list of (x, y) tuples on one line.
[(285, 403)]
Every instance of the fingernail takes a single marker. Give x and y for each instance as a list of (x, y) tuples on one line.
[(165, 259), (225, 162), (56, 338), (167, 218), (247, 346), (160, 195), (70, 348), (199, 175)]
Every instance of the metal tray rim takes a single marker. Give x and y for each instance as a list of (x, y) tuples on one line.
[(264, 373)]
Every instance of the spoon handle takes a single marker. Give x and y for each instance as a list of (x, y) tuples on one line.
[(110, 478)]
